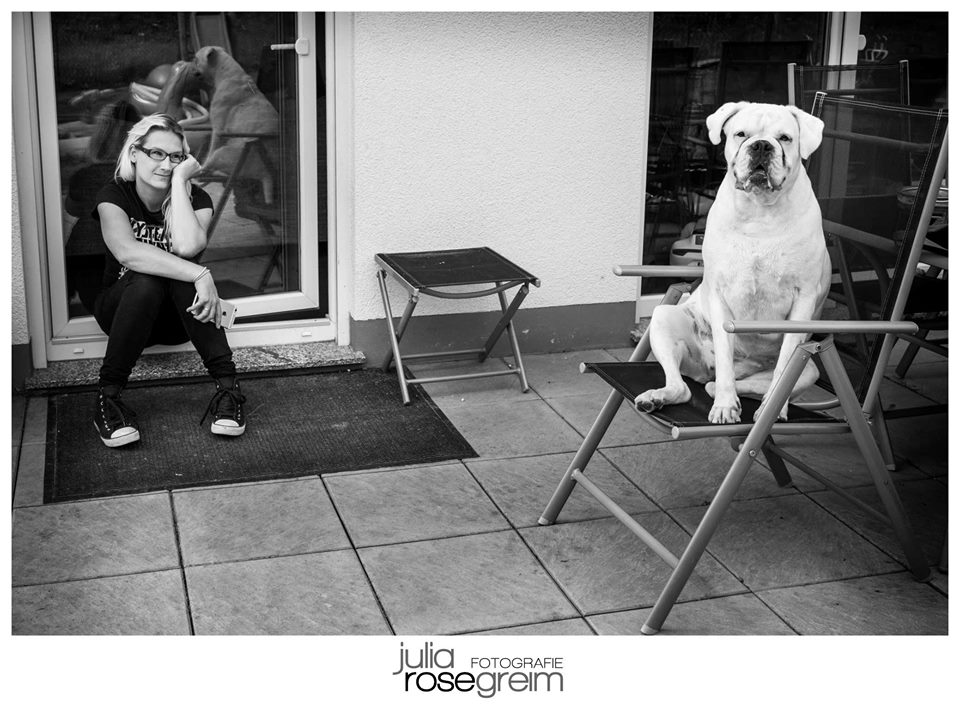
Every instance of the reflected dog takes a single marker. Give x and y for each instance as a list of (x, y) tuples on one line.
[(764, 258), (237, 106)]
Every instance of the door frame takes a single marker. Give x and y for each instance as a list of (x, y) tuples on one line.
[(39, 220)]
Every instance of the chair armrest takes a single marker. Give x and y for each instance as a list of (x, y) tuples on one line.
[(655, 271), (820, 327)]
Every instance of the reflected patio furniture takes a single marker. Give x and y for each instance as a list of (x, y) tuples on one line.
[(884, 210), (878, 83)]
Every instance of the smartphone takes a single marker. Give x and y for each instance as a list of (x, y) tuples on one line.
[(228, 312)]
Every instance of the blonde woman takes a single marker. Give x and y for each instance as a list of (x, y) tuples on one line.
[(154, 225)]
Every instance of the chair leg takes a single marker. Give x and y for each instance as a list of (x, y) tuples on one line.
[(916, 560), (580, 460), (592, 440), (779, 394), (514, 344), (395, 335), (777, 466), (908, 356)]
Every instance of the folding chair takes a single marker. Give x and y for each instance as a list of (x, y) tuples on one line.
[(434, 273), (753, 440), (879, 83)]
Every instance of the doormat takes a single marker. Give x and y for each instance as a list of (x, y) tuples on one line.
[(297, 425)]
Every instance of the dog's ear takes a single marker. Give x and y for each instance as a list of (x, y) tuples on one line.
[(716, 121), (811, 131)]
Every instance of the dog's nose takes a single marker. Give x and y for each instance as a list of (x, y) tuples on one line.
[(760, 148)]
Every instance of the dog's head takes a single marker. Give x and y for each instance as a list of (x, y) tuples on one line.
[(765, 143), (208, 61)]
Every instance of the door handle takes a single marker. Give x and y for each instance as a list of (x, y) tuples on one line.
[(301, 47)]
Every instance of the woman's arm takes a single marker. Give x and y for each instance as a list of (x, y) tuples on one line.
[(188, 228), (145, 258)]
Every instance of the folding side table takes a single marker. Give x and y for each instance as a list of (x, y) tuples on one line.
[(430, 273)]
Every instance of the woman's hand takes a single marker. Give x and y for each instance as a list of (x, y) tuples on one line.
[(186, 169), (206, 305)]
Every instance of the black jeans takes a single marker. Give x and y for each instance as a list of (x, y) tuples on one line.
[(141, 310)]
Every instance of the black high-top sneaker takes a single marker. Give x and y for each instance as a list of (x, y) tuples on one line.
[(227, 408), (115, 421)]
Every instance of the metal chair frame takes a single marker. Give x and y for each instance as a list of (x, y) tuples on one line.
[(510, 276), (862, 419)]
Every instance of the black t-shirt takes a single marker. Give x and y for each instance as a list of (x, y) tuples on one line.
[(147, 225)]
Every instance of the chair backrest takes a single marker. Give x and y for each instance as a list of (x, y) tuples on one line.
[(753, 71), (877, 175), (879, 83)]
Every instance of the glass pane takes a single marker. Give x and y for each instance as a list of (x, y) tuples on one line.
[(918, 37), (238, 105), (700, 61)]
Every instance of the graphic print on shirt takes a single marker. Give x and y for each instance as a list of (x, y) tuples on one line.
[(152, 234)]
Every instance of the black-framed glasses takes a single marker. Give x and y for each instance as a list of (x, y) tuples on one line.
[(159, 155)]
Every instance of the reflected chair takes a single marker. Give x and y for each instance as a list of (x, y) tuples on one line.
[(874, 180), (878, 83), (849, 410)]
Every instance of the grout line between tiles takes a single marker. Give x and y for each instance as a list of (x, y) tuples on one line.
[(183, 571), (356, 554)]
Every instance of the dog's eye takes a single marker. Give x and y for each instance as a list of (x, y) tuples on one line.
[(740, 134), (785, 139)]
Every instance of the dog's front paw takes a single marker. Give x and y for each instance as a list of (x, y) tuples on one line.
[(721, 413), (650, 401)]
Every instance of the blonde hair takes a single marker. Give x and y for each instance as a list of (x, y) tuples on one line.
[(136, 137)]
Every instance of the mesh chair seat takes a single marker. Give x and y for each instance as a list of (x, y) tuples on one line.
[(632, 379)]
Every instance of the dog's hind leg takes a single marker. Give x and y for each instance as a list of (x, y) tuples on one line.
[(672, 338)]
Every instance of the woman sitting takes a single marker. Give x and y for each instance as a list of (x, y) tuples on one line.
[(154, 225)]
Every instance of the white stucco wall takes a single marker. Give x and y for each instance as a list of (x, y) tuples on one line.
[(18, 310), (520, 131)]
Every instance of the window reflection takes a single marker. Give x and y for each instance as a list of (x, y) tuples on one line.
[(236, 98)]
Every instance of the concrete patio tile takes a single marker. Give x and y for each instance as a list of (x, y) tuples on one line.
[(733, 615), (923, 441), (836, 457), (241, 522), (513, 429), (621, 353), (603, 567), (29, 489), (559, 628), (35, 422), (318, 593), (925, 502), (555, 375), (522, 486), (18, 412), (472, 392), (464, 584), (627, 427), (90, 539), (939, 581), (782, 541), (413, 504), (916, 390), (141, 604), (886, 604), (927, 380), (689, 472)]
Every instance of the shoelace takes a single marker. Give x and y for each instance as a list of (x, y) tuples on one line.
[(235, 398), (121, 415)]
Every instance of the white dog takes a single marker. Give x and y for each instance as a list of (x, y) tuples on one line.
[(764, 258)]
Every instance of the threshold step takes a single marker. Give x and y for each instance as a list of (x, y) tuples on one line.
[(177, 367)]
